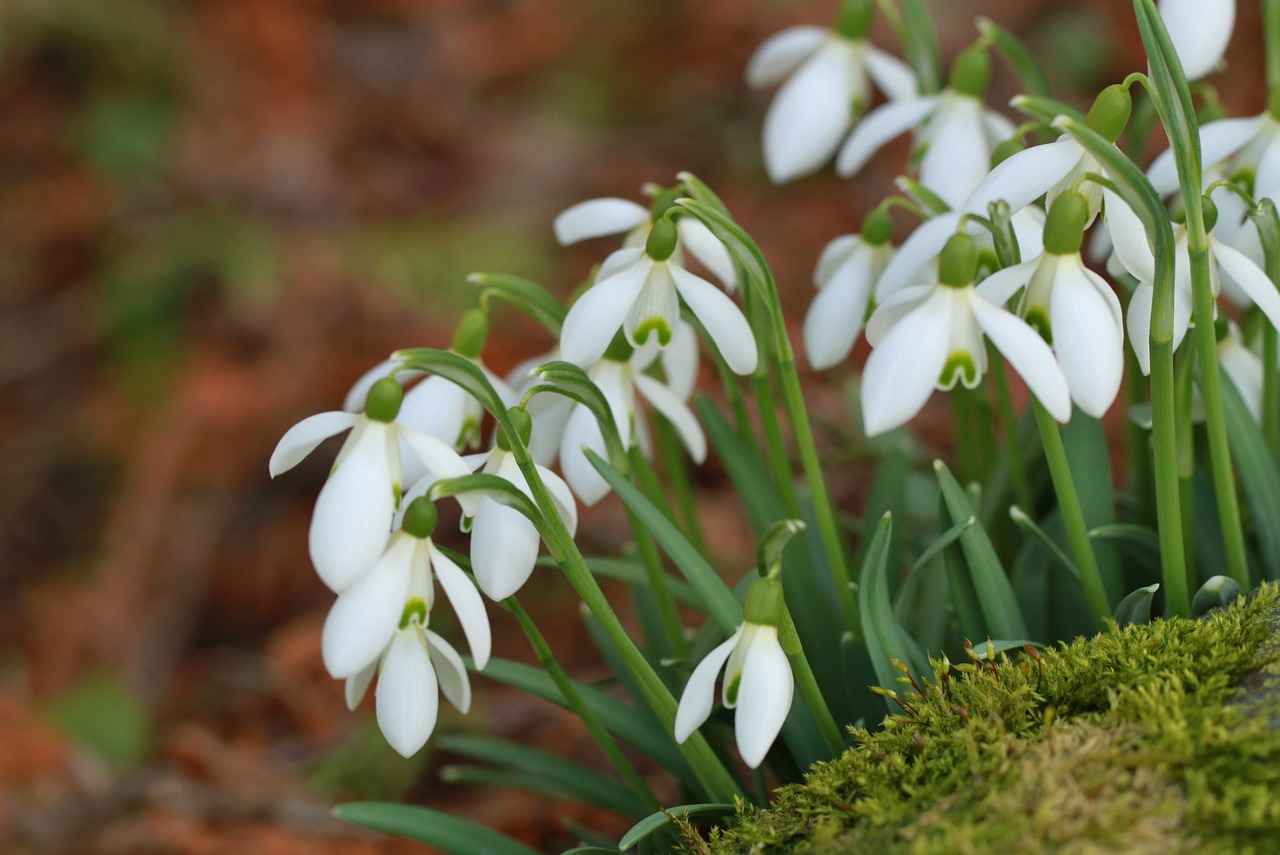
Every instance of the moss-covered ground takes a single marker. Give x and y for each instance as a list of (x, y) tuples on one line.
[(1159, 738)]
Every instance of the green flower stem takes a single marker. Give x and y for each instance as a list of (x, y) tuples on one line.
[(675, 465), (807, 684), (1182, 395), (1136, 439), (1164, 438), (1009, 427), (984, 431), (1224, 481), (779, 460), (962, 436), (711, 771), (1271, 33), (547, 659), (646, 479), (1055, 453), (653, 570), (1271, 389)]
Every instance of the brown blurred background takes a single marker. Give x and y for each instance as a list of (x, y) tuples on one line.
[(214, 215)]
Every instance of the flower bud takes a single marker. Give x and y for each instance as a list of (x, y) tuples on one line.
[(382, 404), (1064, 227), (971, 72), (521, 422), (662, 240), (877, 227), (854, 19), (958, 263), (420, 518), (1210, 213), (764, 603), (472, 333), (1110, 112)]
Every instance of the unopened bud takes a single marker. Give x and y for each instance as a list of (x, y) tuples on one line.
[(523, 425), (1110, 112), (1064, 227), (382, 404), (472, 333), (420, 518), (971, 72), (877, 227), (662, 240), (958, 263)]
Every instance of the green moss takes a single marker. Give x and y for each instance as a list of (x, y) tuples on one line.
[(1158, 738)]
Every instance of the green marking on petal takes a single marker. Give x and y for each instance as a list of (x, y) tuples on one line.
[(1038, 319), (960, 367), (731, 690), (415, 608), (653, 325)]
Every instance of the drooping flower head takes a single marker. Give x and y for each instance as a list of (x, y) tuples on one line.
[(1199, 31), (846, 276), (758, 684), (826, 88)]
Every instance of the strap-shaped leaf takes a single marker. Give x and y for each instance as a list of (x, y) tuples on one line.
[(1044, 108), (500, 490), (1218, 591), (1136, 607), (885, 639), (655, 821), (1018, 55), (1258, 476), (1000, 611), (744, 250), (633, 573), (527, 296), (920, 43), (747, 471), (1172, 95), (699, 191), (451, 366), (545, 771), (447, 833), (721, 604), (570, 380), (1023, 521)]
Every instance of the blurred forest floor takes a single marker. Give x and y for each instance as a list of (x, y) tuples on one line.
[(215, 215)]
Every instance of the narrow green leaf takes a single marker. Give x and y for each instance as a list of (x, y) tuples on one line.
[(720, 602), (1140, 538), (964, 599), (1258, 476), (500, 490), (590, 850), (655, 821), (1000, 611), (748, 473), (529, 297), (884, 638), (1089, 458), (1136, 608), (451, 366), (447, 833), (570, 380), (1218, 591), (1172, 95), (1045, 109), (1018, 55), (635, 726), (744, 250), (921, 45), (947, 538), (548, 772), (699, 191), (1024, 522)]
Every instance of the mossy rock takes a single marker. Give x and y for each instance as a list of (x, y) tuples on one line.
[(1163, 738)]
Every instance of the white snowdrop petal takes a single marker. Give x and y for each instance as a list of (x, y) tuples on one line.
[(700, 692), (504, 547), (782, 53), (764, 697), (407, 700), (1025, 176), (1267, 180), (441, 461), (358, 684), (1244, 369), (958, 155), (904, 367), (678, 413), (1087, 337), (355, 398), (812, 112), (835, 317), (878, 127), (1249, 277), (467, 605), (707, 248), (1027, 352), (1129, 238), (680, 361), (352, 519), (1028, 230), (999, 287), (582, 431), (1218, 141), (562, 497), (1138, 323), (451, 673), (1199, 31), (549, 413), (596, 218), (894, 77), (833, 257), (304, 437), (365, 616), (895, 308), (722, 319), (920, 248), (598, 314)]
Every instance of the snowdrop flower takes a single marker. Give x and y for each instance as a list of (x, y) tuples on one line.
[(620, 375), (1053, 168), (365, 617), (1246, 148), (1241, 365), (1199, 31), (931, 336), (353, 515), (758, 683), (955, 132), (609, 216), (827, 89), (1134, 252), (1072, 307), (639, 290), (504, 543), (846, 275)]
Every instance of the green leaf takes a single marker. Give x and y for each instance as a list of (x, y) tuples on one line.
[(700, 192), (1000, 611), (1089, 459), (1018, 55), (883, 636), (1140, 538), (459, 369), (1218, 591), (590, 850), (635, 726), (721, 604), (775, 539), (1024, 522), (748, 473), (1258, 475), (548, 773), (1172, 96), (633, 573), (493, 487), (921, 45), (945, 540), (1136, 608), (655, 821), (1045, 109), (570, 380), (529, 297), (102, 715), (744, 250), (447, 833)]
